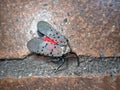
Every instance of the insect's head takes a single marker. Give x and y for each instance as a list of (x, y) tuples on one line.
[(65, 49)]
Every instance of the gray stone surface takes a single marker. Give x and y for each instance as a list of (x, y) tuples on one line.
[(41, 66)]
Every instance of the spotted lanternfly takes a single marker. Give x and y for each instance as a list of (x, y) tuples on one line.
[(50, 43)]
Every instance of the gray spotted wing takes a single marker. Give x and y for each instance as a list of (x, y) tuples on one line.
[(46, 29), (39, 46)]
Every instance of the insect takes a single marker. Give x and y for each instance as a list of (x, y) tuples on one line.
[(50, 43)]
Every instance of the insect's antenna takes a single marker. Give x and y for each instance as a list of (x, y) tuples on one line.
[(69, 45), (78, 62), (77, 58)]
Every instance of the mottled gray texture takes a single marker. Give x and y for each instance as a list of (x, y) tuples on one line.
[(41, 66)]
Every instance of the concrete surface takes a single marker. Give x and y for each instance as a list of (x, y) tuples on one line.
[(42, 66), (37, 73)]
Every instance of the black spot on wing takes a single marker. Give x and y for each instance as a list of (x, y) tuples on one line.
[(46, 44), (51, 29), (58, 37), (50, 52), (37, 51), (56, 33)]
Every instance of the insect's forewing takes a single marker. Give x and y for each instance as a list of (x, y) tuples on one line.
[(46, 29), (39, 46)]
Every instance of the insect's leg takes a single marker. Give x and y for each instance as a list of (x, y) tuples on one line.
[(67, 61), (78, 62), (63, 61), (55, 60)]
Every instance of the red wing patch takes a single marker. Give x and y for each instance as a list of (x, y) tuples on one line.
[(49, 40)]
